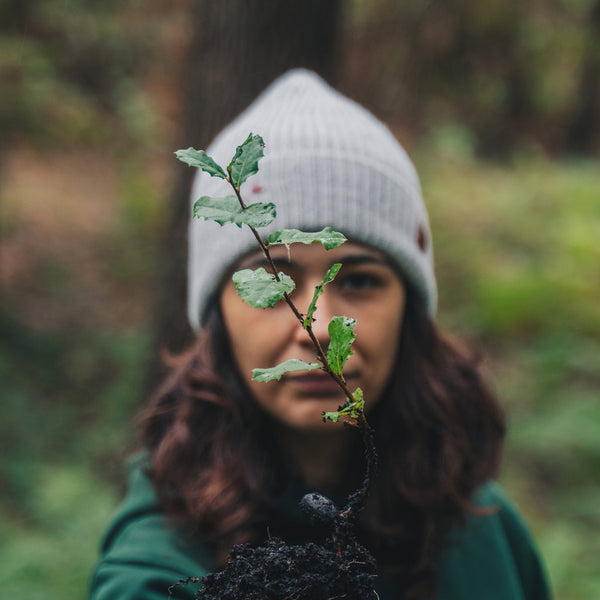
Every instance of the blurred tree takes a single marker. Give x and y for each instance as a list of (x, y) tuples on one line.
[(514, 75), (238, 47), (585, 119)]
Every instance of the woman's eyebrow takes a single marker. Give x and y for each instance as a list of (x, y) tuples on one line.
[(362, 259)]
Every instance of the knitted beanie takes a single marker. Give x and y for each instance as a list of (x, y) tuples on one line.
[(327, 162)]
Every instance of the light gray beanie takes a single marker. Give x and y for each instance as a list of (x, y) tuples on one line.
[(327, 161)]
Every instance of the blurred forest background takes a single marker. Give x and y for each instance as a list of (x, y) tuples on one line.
[(498, 103)]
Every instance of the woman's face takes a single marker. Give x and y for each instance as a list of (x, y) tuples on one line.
[(367, 288)]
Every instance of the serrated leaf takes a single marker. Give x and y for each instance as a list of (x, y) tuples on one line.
[(352, 410), (277, 372), (341, 336), (200, 160), (258, 214), (245, 161), (329, 277), (228, 210), (327, 236), (221, 210), (260, 289)]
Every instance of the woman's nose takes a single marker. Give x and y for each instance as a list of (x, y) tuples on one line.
[(320, 323)]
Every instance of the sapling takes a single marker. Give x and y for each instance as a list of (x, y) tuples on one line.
[(262, 288)]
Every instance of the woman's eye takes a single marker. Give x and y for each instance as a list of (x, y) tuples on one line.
[(359, 282)]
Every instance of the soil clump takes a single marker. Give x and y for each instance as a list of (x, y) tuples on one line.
[(278, 571)]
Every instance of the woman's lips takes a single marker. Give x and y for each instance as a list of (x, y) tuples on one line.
[(319, 384)]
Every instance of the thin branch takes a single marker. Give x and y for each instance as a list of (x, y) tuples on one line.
[(356, 500)]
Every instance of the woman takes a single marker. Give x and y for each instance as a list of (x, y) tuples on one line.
[(227, 459)]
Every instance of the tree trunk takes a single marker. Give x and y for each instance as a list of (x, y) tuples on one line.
[(238, 48), (583, 127)]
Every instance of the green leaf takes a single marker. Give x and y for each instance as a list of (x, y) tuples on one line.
[(341, 336), (293, 364), (329, 277), (245, 161), (260, 289), (201, 160), (327, 236), (221, 210), (332, 416), (349, 409), (357, 394), (258, 214), (228, 210)]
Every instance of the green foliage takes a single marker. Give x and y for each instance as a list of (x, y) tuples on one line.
[(68, 397), (245, 160), (243, 164), (277, 372), (261, 289), (258, 287), (514, 74), (200, 160), (228, 210), (341, 334), (523, 258), (327, 236), (50, 555), (68, 71), (351, 410), (329, 277), (517, 260)]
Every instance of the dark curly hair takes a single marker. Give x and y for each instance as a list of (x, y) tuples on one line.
[(438, 428)]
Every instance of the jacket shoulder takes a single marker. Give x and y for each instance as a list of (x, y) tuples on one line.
[(142, 553), (520, 542), (492, 555)]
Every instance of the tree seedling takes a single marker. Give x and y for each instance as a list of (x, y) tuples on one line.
[(264, 288)]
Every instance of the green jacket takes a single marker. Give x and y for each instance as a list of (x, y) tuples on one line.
[(491, 558)]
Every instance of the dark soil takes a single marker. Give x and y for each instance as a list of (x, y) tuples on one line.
[(279, 571), (338, 569)]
